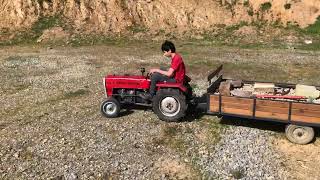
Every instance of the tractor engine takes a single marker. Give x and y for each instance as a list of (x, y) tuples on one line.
[(127, 96)]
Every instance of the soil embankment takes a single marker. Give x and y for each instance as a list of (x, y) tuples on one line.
[(155, 16)]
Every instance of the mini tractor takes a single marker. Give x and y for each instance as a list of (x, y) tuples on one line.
[(169, 104)]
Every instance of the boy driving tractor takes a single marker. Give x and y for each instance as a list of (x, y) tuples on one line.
[(175, 74)]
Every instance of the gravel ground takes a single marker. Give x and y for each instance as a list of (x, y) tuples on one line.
[(245, 153), (51, 127)]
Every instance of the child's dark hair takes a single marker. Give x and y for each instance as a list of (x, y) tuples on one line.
[(168, 45)]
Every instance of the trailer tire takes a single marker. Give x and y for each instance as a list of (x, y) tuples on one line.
[(110, 108), (299, 134), (169, 105)]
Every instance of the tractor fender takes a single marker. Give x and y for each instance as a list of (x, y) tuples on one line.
[(179, 86)]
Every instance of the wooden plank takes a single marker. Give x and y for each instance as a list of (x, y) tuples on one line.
[(214, 107), (272, 115), (309, 107), (234, 103), (237, 111), (306, 110), (231, 99), (303, 112), (237, 99), (237, 105), (214, 103), (272, 109), (214, 98), (270, 103), (306, 113), (305, 119)]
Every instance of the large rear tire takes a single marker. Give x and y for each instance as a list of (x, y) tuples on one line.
[(169, 105), (110, 108), (299, 134)]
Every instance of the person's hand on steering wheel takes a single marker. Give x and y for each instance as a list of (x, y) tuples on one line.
[(148, 75)]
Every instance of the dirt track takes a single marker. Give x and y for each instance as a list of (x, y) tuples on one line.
[(51, 126)]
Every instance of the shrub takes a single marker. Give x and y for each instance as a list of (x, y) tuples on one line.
[(287, 6), (265, 6)]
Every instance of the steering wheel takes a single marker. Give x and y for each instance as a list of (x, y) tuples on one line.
[(148, 75), (143, 70)]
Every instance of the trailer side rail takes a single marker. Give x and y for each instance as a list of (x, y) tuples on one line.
[(263, 109)]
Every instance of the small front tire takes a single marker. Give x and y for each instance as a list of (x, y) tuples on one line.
[(110, 108), (299, 134)]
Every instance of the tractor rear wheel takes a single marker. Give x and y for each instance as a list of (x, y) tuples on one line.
[(169, 105), (110, 108), (299, 134)]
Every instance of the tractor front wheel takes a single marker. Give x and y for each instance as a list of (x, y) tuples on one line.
[(110, 108), (169, 105)]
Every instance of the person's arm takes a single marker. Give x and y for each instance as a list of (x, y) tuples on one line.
[(168, 73)]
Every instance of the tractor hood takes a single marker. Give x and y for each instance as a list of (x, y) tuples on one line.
[(130, 82)]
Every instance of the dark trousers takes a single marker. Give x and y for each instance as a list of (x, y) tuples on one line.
[(157, 77)]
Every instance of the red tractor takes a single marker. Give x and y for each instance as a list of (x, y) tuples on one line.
[(170, 102)]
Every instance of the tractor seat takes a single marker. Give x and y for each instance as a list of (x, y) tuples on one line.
[(187, 79)]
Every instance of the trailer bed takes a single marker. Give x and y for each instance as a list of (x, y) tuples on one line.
[(253, 108)]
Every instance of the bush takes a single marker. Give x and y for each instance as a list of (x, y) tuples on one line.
[(265, 6), (287, 6)]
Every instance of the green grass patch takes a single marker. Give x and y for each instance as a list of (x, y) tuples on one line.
[(47, 22), (172, 136), (16, 87), (314, 29), (21, 61), (42, 1), (315, 46), (214, 128), (100, 39), (178, 144), (246, 3), (236, 27), (67, 95), (22, 86), (237, 174), (171, 131), (27, 155), (250, 12), (265, 6), (158, 141), (77, 93), (30, 36), (137, 28)]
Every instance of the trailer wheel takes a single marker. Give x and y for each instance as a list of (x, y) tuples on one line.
[(299, 134), (169, 105), (110, 108)]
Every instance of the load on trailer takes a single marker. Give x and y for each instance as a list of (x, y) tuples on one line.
[(297, 106)]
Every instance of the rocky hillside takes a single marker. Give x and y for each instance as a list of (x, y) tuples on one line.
[(156, 16)]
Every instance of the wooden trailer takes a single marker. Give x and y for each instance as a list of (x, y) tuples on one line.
[(300, 117)]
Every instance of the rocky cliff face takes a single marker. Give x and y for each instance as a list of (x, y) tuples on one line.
[(115, 16)]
